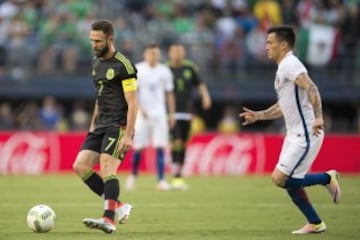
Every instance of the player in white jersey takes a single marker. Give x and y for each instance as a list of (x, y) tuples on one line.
[(299, 103), (155, 90)]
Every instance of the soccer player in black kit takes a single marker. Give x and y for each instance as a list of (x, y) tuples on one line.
[(112, 125), (186, 77)]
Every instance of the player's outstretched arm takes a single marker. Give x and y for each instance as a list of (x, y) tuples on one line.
[(251, 116)]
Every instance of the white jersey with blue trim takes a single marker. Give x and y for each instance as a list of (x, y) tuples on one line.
[(153, 83), (294, 103)]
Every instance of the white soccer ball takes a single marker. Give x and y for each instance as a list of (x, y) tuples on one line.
[(41, 218)]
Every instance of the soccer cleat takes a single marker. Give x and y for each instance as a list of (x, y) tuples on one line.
[(163, 185), (130, 182), (123, 211), (311, 228), (179, 184), (100, 223), (334, 186)]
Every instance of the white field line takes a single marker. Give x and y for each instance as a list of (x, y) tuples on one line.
[(188, 205)]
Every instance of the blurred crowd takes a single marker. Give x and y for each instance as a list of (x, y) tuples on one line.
[(51, 36), (51, 114)]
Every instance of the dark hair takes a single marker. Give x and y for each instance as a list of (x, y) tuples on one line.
[(284, 33), (105, 26), (151, 45)]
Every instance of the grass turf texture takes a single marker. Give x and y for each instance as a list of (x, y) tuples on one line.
[(248, 208)]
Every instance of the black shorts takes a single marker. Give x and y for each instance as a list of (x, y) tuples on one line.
[(105, 140), (181, 130)]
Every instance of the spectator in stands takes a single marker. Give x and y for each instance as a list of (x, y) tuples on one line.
[(4, 32), (306, 11), (63, 124), (229, 122), (350, 37), (200, 42), (49, 113), (6, 116), (197, 125), (124, 40), (228, 43), (19, 55), (60, 39), (80, 118), (288, 11), (256, 54), (84, 47), (268, 12), (28, 117)]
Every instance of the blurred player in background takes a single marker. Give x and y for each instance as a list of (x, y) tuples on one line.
[(155, 91), (299, 103), (112, 126), (185, 78)]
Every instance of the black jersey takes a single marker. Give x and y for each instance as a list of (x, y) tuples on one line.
[(185, 77), (108, 76)]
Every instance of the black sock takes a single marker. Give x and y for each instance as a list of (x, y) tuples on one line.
[(111, 191), (178, 157), (94, 182)]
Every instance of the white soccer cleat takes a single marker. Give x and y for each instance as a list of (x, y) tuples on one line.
[(124, 212), (334, 186), (179, 184), (163, 185), (100, 223), (311, 228), (130, 182)]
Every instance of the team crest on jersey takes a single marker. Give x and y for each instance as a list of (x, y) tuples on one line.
[(110, 73), (187, 74)]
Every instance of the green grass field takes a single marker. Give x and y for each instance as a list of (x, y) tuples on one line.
[(249, 208)]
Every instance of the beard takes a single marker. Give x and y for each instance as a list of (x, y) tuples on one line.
[(102, 52)]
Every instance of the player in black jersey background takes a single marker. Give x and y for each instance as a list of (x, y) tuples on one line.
[(112, 126), (185, 78)]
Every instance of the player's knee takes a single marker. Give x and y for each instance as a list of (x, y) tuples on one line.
[(80, 168), (76, 167), (278, 181)]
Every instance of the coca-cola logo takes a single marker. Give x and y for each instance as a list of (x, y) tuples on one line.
[(225, 155), (28, 153)]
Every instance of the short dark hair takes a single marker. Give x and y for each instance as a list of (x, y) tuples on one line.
[(284, 33), (105, 26), (151, 45)]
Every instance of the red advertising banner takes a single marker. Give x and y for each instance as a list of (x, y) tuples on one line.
[(207, 154), (214, 154)]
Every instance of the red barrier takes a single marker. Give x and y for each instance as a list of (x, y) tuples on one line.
[(214, 154), (207, 154)]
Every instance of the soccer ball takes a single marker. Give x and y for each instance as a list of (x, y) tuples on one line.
[(41, 218)]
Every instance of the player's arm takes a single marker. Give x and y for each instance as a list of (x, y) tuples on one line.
[(94, 116), (205, 96), (170, 100), (129, 86), (303, 81), (251, 116)]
